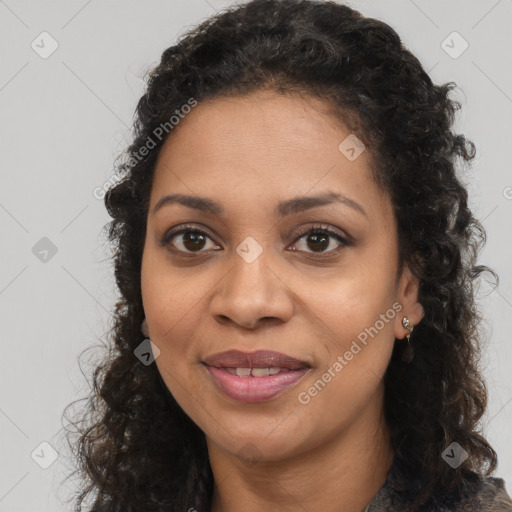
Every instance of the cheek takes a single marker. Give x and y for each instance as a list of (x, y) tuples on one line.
[(173, 314), (345, 303), (354, 340), (173, 300), (357, 351)]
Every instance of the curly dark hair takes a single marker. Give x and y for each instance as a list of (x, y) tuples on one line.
[(139, 450)]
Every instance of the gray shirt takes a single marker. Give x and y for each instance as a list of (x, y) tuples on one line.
[(488, 495)]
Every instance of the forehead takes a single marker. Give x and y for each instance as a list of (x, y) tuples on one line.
[(264, 121), (262, 146)]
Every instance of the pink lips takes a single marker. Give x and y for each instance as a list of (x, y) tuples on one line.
[(258, 359), (248, 388)]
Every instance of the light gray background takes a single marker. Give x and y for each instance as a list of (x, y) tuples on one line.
[(63, 121)]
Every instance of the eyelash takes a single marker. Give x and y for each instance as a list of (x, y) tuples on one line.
[(317, 229)]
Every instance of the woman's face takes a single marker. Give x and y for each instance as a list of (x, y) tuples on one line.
[(257, 280)]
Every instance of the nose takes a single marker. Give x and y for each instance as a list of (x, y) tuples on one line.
[(251, 294)]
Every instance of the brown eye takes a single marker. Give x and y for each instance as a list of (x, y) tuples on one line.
[(187, 240), (318, 240), (192, 240)]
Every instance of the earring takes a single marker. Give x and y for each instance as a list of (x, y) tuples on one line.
[(144, 328), (408, 352)]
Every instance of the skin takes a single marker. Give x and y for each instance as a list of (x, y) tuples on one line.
[(249, 153)]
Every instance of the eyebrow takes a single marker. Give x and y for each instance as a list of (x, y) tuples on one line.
[(284, 208)]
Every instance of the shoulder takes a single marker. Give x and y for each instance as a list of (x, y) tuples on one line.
[(476, 493), (489, 495)]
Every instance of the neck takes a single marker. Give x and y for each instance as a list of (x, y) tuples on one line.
[(349, 469)]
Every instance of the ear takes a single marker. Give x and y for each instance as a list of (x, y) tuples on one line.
[(408, 287), (144, 328)]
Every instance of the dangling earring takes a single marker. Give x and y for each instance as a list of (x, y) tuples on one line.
[(408, 352), (144, 328)]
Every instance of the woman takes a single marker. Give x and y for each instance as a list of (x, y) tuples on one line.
[(295, 254)]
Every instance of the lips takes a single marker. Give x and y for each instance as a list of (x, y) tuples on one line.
[(255, 376), (260, 359)]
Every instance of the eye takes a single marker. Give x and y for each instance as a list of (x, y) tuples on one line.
[(189, 239), (318, 237)]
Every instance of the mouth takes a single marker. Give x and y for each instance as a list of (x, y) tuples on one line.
[(255, 372), (256, 376), (256, 364)]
